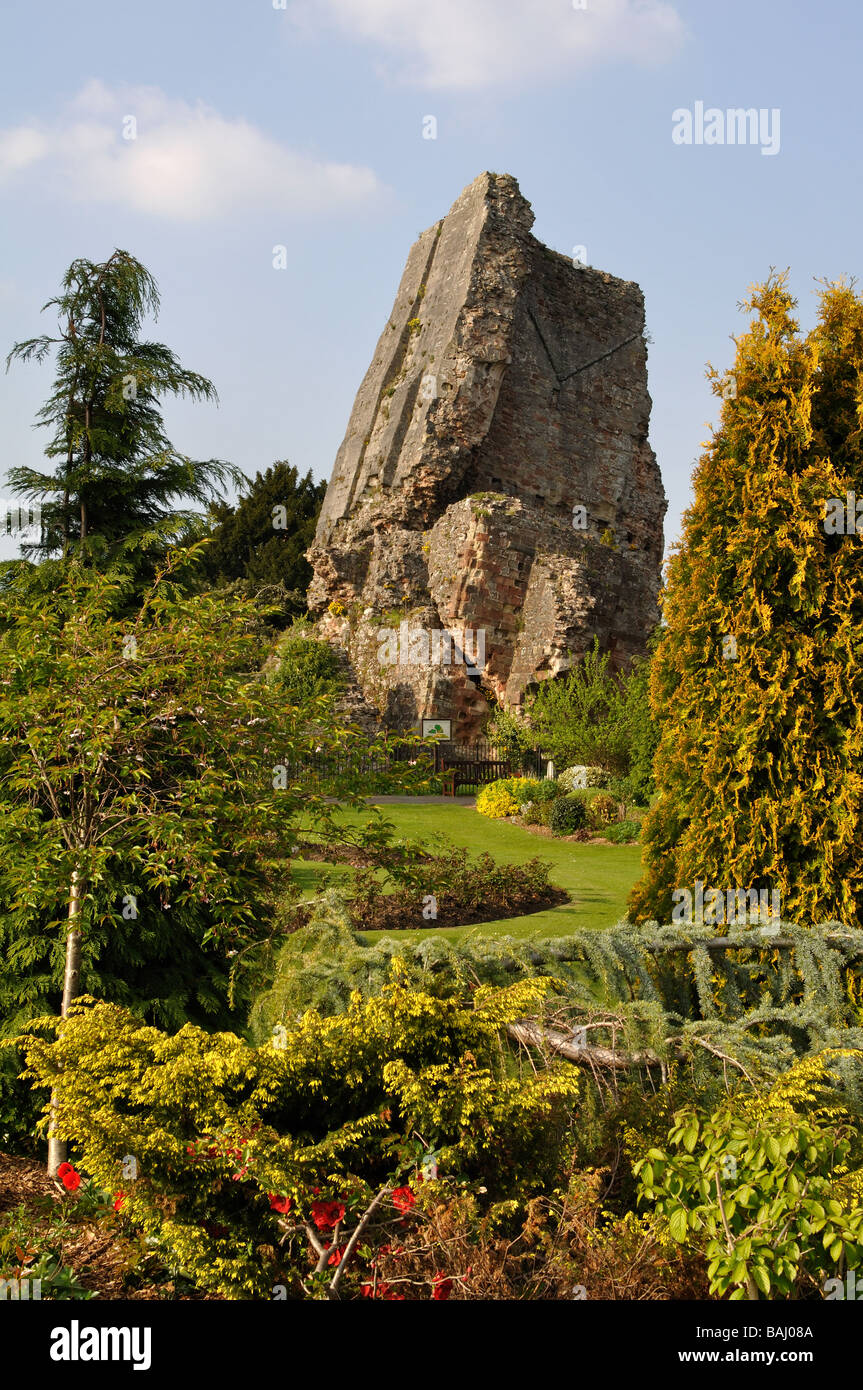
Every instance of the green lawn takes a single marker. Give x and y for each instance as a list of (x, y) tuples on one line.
[(598, 877)]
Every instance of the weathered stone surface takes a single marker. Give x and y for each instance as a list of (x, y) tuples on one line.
[(507, 390)]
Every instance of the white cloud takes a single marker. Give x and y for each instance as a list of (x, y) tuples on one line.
[(483, 43), (185, 162)]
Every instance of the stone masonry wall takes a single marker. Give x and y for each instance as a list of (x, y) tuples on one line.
[(507, 389)]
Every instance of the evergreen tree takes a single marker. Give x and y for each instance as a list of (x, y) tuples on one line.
[(118, 481), (263, 539), (757, 683)]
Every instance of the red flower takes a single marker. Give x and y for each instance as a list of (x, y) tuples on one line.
[(64, 1169), (327, 1214), (403, 1198), (335, 1257), (190, 1149), (119, 1199), (384, 1290), (277, 1203), (71, 1180), (442, 1286)]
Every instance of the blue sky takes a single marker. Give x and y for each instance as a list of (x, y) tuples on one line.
[(302, 126)]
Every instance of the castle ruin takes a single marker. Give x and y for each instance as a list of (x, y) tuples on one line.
[(495, 478)]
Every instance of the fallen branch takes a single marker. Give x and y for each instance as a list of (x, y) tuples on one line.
[(564, 1044)]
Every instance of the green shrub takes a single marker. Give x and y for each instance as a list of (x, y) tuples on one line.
[(548, 790), (512, 737), (766, 1188), (626, 832), (568, 814), (461, 890), (602, 811), (308, 668), (595, 715)]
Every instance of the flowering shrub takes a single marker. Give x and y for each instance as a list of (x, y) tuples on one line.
[(255, 1165), (626, 832), (602, 811), (579, 778), (506, 795), (495, 801)]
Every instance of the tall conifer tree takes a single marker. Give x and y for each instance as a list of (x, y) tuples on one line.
[(758, 680), (118, 482)]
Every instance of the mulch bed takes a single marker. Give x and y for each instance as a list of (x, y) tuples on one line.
[(580, 837), (391, 913), (394, 919)]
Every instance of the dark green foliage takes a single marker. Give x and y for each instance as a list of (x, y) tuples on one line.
[(259, 543), (568, 814), (118, 481), (140, 760), (158, 963), (19, 1105)]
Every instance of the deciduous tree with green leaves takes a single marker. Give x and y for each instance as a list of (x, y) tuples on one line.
[(140, 788), (598, 716)]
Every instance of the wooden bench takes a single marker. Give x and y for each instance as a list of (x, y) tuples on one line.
[(471, 772)]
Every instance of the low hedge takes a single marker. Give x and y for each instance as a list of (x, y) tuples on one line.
[(568, 814)]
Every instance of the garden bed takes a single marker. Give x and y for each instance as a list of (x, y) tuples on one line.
[(448, 889)]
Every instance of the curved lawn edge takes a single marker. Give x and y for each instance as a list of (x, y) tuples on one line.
[(597, 877)]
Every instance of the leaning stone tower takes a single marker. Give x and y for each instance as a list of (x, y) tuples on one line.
[(496, 474)]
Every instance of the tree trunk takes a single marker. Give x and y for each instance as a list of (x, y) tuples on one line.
[(57, 1147)]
